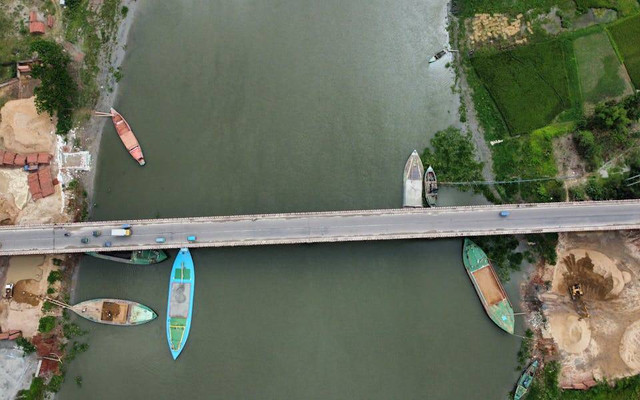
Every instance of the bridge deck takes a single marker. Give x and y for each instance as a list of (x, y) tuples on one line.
[(325, 227)]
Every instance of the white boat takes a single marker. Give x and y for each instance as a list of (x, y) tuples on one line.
[(413, 183)]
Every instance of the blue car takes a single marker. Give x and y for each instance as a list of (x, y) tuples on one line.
[(504, 213)]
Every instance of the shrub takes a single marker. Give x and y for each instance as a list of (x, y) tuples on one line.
[(25, 345), (54, 276), (35, 392), (72, 330), (124, 11), (55, 383), (588, 149), (47, 324), (47, 306)]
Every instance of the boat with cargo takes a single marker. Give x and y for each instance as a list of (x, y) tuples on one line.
[(136, 257), (126, 135), (430, 187), (488, 286), (114, 312), (180, 302), (525, 381), (413, 185)]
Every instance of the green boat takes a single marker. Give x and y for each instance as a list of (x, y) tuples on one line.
[(137, 257), (488, 286), (525, 381)]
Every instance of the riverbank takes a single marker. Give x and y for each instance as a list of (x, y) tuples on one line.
[(90, 132)]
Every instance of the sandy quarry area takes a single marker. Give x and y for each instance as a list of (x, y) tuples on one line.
[(606, 344), (29, 275), (23, 130)]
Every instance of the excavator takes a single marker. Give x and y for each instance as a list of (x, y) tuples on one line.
[(576, 293)]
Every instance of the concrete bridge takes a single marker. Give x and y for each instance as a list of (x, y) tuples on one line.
[(319, 227)]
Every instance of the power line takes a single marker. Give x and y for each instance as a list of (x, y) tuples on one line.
[(560, 178)]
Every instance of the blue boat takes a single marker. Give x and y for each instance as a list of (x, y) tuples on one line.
[(180, 302)]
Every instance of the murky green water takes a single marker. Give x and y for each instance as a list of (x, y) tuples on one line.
[(275, 106)]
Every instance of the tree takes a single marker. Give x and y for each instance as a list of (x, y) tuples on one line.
[(58, 91), (632, 105), (453, 157), (588, 148)]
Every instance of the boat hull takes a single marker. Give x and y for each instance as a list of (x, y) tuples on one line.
[(180, 302), (413, 184), (430, 187), (127, 136), (114, 312), (524, 383), (488, 287), (136, 257)]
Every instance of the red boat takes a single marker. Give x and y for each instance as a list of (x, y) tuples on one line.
[(126, 135)]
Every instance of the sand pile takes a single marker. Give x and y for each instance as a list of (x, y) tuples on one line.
[(571, 334), (630, 347), (599, 275), (23, 130), (13, 186)]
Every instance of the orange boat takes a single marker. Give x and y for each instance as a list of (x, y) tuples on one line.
[(126, 135)]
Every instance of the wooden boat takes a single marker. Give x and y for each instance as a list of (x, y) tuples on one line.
[(437, 56), (180, 301), (488, 286), (413, 173), (136, 257), (114, 312), (525, 380), (430, 187), (126, 135)]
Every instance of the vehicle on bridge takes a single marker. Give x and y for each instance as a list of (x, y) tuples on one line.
[(191, 239), (160, 239), (125, 230), (504, 213)]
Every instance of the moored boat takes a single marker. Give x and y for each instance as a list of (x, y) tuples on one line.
[(430, 187), (413, 173), (525, 381), (137, 257), (437, 56), (180, 302), (488, 286), (126, 135), (114, 312)]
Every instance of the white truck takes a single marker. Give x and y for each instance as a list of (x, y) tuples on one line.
[(125, 230)]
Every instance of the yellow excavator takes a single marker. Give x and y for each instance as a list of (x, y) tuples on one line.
[(576, 293)]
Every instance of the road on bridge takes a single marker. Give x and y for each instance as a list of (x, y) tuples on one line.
[(324, 227)]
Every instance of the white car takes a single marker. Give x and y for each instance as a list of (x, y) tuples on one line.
[(8, 290)]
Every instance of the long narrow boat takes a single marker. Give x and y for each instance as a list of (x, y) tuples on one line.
[(136, 257), (430, 187), (486, 282), (180, 302), (525, 381), (126, 135), (413, 173), (114, 312)]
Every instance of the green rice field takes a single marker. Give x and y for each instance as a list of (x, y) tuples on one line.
[(601, 74), (528, 84), (626, 35)]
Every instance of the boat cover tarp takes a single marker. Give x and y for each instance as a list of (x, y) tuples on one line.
[(180, 300)]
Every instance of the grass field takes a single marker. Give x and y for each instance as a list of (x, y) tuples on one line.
[(626, 35), (624, 7), (600, 71), (530, 156), (467, 8), (528, 84)]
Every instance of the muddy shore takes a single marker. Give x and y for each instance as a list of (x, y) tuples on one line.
[(90, 133)]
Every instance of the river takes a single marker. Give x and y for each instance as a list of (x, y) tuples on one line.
[(281, 106)]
